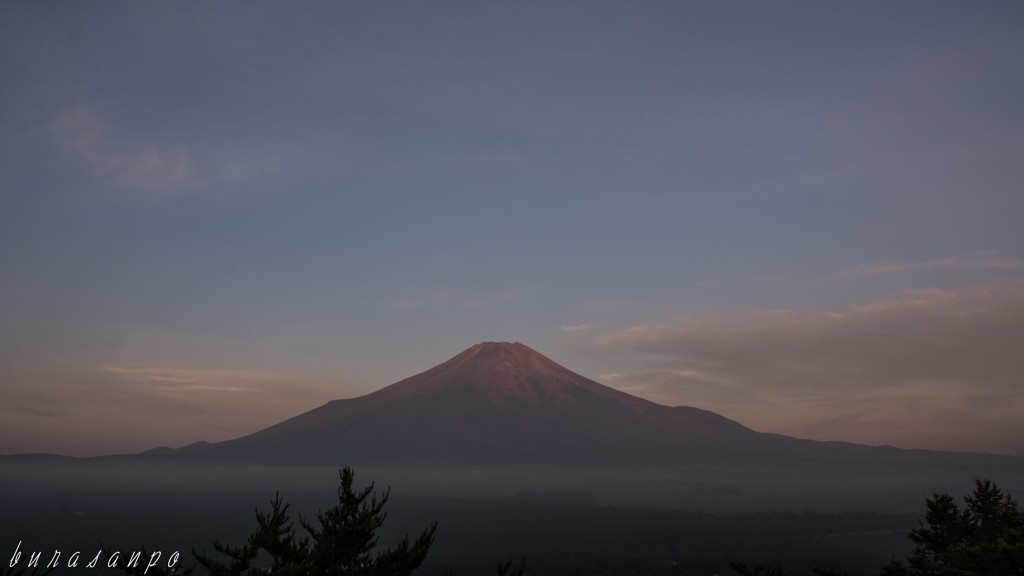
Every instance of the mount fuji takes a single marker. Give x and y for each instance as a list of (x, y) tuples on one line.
[(505, 403)]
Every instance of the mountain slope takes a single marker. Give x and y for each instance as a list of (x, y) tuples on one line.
[(504, 403), (495, 402)]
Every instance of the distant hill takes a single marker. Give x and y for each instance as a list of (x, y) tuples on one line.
[(505, 403)]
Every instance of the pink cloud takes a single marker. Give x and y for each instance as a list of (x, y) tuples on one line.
[(930, 368)]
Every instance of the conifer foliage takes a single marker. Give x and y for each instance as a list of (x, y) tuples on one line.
[(343, 542), (983, 537)]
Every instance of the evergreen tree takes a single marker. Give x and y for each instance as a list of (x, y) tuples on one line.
[(342, 544), (984, 537)]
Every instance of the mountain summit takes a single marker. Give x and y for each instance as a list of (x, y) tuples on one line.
[(510, 375)]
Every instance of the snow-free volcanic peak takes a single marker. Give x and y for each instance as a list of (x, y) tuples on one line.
[(493, 402), (506, 373), (504, 403)]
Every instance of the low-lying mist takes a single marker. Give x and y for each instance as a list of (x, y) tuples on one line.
[(679, 519)]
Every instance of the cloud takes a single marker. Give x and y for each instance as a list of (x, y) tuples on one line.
[(187, 377), (73, 411), (127, 163), (133, 160), (202, 389), (930, 368), (976, 261), (578, 328)]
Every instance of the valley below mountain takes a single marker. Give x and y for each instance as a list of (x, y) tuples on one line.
[(665, 519)]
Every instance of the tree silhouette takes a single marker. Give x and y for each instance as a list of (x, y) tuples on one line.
[(984, 537), (343, 543)]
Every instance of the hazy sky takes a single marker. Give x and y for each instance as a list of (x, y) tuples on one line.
[(806, 216)]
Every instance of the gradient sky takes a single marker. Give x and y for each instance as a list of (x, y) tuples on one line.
[(806, 216)]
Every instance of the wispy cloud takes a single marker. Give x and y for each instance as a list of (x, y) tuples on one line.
[(578, 328), (126, 160), (122, 162), (976, 261), (201, 387), (937, 368), (164, 405), (186, 376)]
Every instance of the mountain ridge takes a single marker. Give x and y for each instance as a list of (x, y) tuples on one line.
[(505, 403), (495, 402), (503, 372)]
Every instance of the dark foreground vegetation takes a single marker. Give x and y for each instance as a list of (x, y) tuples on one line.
[(558, 532), (342, 541), (984, 536)]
